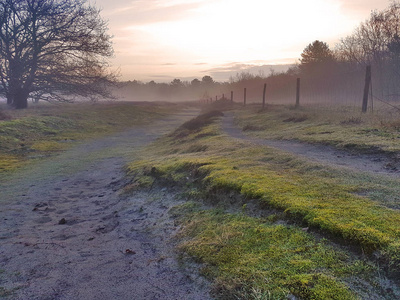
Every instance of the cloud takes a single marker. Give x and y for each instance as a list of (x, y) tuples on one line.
[(160, 76), (224, 72), (142, 12)]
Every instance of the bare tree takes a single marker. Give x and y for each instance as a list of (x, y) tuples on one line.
[(52, 50), (369, 44), (376, 42)]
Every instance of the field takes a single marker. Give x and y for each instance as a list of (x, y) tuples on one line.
[(262, 222), (340, 127), (45, 129)]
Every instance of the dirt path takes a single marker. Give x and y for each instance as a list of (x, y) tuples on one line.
[(374, 163), (66, 233)]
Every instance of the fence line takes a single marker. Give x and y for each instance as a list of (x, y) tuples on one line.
[(353, 90)]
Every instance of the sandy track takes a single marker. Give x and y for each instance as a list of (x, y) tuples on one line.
[(373, 164), (66, 233)]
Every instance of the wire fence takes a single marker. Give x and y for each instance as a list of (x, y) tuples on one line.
[(336, 90)]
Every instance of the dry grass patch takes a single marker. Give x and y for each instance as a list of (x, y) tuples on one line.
[(44, 129), (340, 128)]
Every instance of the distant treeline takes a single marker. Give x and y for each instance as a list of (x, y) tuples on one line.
[(330, 74)]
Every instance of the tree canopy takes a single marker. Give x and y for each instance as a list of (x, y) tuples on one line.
[(52, 50), (315, 55), (207, 80)]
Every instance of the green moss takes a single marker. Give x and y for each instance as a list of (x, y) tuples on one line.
[(318, 201), (242, 253)]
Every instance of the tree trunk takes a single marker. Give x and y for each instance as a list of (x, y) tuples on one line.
[(9, 101), (21, 99)]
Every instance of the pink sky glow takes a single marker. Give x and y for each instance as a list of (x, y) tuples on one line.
[(165, 39)]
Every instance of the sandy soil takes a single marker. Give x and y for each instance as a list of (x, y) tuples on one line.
[(370, 163), (67, 233)]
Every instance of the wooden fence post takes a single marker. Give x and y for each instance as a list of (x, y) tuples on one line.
[(244, 97), (297, 93), (265, 89), (372, 96), (366, 89)]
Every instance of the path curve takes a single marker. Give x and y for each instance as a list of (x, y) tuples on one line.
[(371, 163), (66, 233)]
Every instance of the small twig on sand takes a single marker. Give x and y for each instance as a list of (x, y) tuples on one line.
[(42, 243)]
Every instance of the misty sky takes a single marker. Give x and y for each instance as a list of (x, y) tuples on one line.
[(165, 39)]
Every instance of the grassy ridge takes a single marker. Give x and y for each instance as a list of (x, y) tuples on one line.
[(322, 198), (45, 129)]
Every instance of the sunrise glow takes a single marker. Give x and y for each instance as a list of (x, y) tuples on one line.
[(165, 39)]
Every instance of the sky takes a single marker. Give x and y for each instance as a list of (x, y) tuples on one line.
[(165, 39)]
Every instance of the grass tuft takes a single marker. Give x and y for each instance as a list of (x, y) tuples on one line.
[(196, 124)]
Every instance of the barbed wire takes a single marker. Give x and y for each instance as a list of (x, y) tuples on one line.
[(385, 102)]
